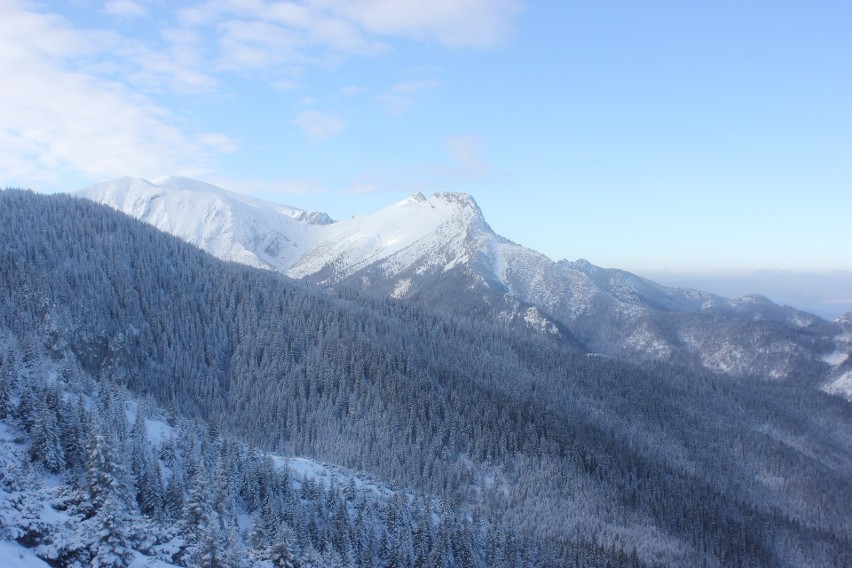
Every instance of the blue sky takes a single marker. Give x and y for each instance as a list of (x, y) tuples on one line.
[(651, 136)]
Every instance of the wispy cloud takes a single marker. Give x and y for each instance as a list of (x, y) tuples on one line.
[(454, 23), (466, 165), (57, 120), (402, 96), (319, 126), (125, 9), (98, 102), (271, 190)]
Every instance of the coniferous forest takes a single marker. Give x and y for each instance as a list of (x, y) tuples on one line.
[(160, 405)]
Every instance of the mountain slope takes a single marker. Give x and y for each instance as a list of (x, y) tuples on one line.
[(228, 225), (582, 460), (441, 252)]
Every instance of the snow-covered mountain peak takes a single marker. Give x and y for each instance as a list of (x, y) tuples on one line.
[(457, 202), (184, 183), (438, 232), (415, 197), (462, 199)]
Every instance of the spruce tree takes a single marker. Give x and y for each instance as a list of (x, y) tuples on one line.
[(110, 548), (46, 445)]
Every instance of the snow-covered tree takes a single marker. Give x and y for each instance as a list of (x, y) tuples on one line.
[(47, 447)]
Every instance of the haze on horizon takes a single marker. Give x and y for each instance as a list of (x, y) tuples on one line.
[(654, 137)]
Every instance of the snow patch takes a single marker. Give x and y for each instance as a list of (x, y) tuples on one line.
[(401, 288), (323, 474), (836, 358), (535, 320), (840, 386), (13, 555)]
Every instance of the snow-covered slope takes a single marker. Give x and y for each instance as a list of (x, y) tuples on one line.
[(225, 224), (442, 231), (840, 381), (440, 251)]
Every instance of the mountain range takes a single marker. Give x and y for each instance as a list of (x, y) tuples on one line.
[(441, 252), (162, 407)]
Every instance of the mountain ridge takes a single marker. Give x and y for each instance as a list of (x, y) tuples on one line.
[(440, 250)]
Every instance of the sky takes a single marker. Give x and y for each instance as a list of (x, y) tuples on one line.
[(658, 137)]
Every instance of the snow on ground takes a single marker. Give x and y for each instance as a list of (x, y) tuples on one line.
[(13, 555), (401, 288), (324, 474), (142, 561), (158, 431), (841, 386), (835, 358)]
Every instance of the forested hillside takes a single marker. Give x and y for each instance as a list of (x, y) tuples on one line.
[(571, 458)]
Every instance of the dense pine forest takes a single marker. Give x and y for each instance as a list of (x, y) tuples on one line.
[(151, 396)]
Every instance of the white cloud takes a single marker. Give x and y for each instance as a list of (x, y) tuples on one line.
[(247, 45), (125, 9), (350, 90), (466, 165), (218, 142), (94, 102), (454, 23), (259, 34), (318, 125), (402, 96), (58, 120), (177, 66), (281, 190)]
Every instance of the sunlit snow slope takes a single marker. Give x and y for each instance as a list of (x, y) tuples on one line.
[(225, 224)]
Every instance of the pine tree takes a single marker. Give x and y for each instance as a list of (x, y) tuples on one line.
[(100, 481), (151, 494), (423, 538), (258, 537), (106, 506), (5, 391), (173, 502), (46, 445), (211, 552), (74, 433), (198, 506), (110, 548), (279, 553), (25, 411), (139, 449)]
